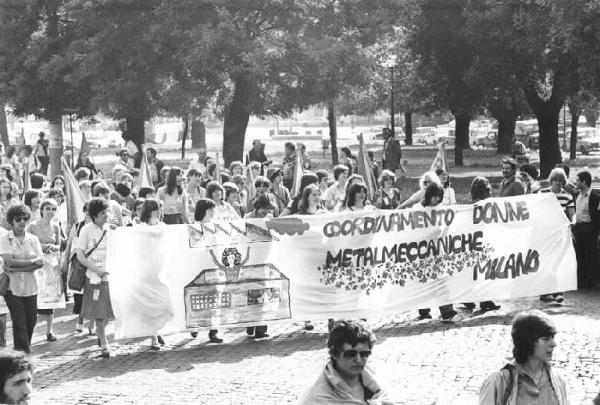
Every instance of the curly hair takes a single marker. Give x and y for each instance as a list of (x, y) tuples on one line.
[(212, 187), (231, 251), (351, 332), (527, 328), (17, 210), (480, 189), (12, 362), (385, 176)]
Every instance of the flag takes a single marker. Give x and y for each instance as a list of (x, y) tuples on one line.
[(217, 172), (73, 197), (26, 178), (364, 168), (145, 177), (439, 162), (298, 172), (85, 148)]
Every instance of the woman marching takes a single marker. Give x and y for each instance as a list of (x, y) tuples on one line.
[(174, 198), (49, 277)]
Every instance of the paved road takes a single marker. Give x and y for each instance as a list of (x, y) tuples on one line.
[(422, 362)]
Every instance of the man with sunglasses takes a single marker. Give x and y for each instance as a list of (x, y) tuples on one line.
[(346, 380)]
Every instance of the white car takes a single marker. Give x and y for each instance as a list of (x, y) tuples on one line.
[(426, 135)]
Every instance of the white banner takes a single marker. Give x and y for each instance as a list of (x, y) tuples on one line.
[(356, 265)]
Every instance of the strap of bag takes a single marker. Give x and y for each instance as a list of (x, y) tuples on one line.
[(511, 383), (96, 245)]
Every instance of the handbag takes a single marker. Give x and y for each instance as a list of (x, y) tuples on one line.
[(4, 283), (77, 279)]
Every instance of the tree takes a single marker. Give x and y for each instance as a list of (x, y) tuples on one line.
[(445, 54)]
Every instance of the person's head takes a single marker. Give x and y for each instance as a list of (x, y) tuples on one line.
[(239, 180), (127, 179), (205, 210), (208, 161), (262, 206), (480, 189), (164, 172), (137, 207), (311, 198), (428, 178), (48, 208), (340, 173), (350, 344), (57, 194), (346, 153), (123, 154), (354, 179), (17, 217), (254, 168), (101, 190), (36, 180), (194, 177), (32, 199), (10, 151), (583, 180), (42, 135), (256, 144), (82, 174), (174, 181), (387, 179), (262, 185), (236, 167), (533, 336), (444, 177), (150, 211), (151, 152), (147, 192), (509, 167), (85, 187), (565, 167), (386, 133), (5, 188), (528, 173), (356, 195), (323, 177), (557, 178), (215, 191), (231, 192), (289, 148), (434, 194), (98, 210), (301, 147), (7, 171), (58, 182), (123, 189), (275, 175), (306, 179), (16, 377)]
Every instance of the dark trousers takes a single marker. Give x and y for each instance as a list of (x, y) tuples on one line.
[(3, 330), (23, 313), (44, 162), (289, 184), (586, 250)]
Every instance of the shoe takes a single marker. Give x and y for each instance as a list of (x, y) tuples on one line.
[(154, 347), (490, 307), (161, 341), (309, 326), (79, 328), (261, 335), (250, 331), (559, 298), (194, 335), (469, 305), (105, 353), (50, 337), (546, 297), (447, 316), (214, 338)]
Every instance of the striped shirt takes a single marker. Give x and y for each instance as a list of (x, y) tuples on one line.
[(565, 199)]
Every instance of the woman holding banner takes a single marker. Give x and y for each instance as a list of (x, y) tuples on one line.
[(174, 198), (424, 181), (49, 277), (90, 248)]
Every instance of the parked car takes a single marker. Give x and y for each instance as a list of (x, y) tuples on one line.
[(588, 139), (426, 135)]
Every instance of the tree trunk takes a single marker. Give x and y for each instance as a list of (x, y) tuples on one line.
[(136, 134), (591, 115), (198, 134), (332, 132), (408, 128), (575, 113), (3, 125), (55, 142), (506, 136), (184, 136), (461, 132), (235, 123)]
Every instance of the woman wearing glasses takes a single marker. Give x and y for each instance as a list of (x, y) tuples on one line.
[(346, 379), (49, 277), (22, 255)]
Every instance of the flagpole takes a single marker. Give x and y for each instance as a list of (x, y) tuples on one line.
[(72, 145)]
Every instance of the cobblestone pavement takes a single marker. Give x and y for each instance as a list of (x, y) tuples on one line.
[(421, 362)]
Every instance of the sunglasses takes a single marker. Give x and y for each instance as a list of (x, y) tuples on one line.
[(264, 185), (19, 219), (350, 354)]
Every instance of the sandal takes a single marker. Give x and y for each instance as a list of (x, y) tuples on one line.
[(105, 353)]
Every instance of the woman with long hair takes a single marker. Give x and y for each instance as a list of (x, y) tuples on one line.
[(223, 211), (83, 160), (6, 201), (33, 199), (311, 202), (348, 159), (58, 182), (306, 180), (356, 198), (49, 277), (389, 196), (449, 194), (426, 179), (174, 198)]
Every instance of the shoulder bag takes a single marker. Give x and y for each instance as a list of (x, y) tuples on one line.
[(77, 279)]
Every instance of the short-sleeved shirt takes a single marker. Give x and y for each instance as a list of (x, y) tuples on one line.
[(22, 284), (172, 204), (89, 236), (565, 199), (335, 194)]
